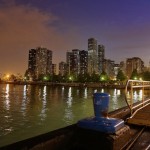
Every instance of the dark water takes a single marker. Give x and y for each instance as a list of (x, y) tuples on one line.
[(29, 110)]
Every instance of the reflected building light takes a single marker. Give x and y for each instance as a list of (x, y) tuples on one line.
[(95, 90), (115, 91), (62, 91), (68, 111), (44, 97), (102, 90), (44, 93), (85, 93), (23, 108), (141, 94), (43, 111), (24, 91), (118, 92), (69, 92), (69, 101), (135, 95), (7, 103)]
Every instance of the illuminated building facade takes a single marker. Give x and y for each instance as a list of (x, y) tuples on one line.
[(40, 62), (54, 69), (83, 61), (77, 62), (62, 68), (92, 56), (101, 57)]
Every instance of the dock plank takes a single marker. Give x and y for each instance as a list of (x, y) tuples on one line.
[(142, 117)]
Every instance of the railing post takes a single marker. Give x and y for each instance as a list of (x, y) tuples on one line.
[(143, 93), (131, 100)]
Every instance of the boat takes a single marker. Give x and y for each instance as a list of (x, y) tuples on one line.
[(131, 133)]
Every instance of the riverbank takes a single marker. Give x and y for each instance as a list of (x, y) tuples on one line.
[(72, 84)]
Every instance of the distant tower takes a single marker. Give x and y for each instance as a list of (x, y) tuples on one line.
[(92, 56), (73, 62), (40, 62), (32, 60), (83, 61), (101, 56), (54, 69), (62, 68)]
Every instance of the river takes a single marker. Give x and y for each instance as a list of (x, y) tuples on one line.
[(29, 110)]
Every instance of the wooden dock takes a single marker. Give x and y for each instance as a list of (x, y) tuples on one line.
[(141, 117)]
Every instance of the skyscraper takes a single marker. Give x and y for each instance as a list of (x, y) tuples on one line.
[(83, 61), (101, 57), (40, 62), (54, 69), (32, 60), (62, 68), (73, 62), (77, 62), (92, 56)]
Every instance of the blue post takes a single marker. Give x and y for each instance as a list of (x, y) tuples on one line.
[(101, 122), (101, 104)]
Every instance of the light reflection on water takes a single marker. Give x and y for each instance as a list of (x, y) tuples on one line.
[(29, 110)]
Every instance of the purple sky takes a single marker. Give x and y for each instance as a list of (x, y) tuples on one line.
[(123, 27)]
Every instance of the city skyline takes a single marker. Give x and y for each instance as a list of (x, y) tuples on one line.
[(122, 27)]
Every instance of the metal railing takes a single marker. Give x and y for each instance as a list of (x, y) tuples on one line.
[(136, 84)]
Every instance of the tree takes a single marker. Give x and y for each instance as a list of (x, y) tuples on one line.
[(134, 75), (121, 76), (104, 76), (146, 76)]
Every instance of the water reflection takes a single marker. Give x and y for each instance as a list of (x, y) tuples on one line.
[(68, 111), (102, 90), (28, 110), (7, 100), (43, 98), (85, 93), (69, 99), (62, 91), (24, 99), (44, 102)]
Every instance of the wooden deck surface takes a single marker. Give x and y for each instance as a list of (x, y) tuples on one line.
[(142, 117)]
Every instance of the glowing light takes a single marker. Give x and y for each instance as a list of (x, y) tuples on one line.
[(102, 90), (7, 76), (7, 103)]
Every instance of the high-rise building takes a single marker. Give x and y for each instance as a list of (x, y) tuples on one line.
[(40, 62), (53, 69), (62, 68), (132, 64), (68, 61), (92, 56), (83, 61), (109, 68), (101, 57), (32, 61), (73, 62), (77, 62)]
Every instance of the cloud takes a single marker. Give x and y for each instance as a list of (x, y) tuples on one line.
[(23, 27)]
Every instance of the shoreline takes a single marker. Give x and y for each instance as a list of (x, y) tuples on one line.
[(96, 85)]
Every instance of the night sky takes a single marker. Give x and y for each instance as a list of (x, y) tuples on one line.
[(122, 26)]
